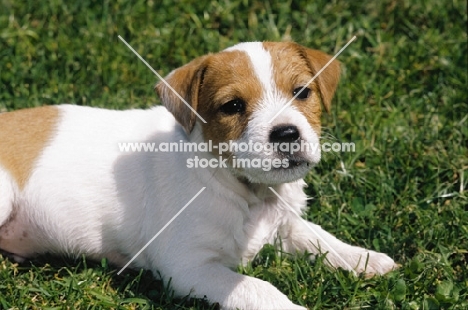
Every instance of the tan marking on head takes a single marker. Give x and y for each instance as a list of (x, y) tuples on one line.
[(294, 66), (228, 76), (23, 136), (185, 81), (207, 83)]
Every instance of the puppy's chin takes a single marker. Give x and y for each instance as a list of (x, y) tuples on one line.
[(269, 175)]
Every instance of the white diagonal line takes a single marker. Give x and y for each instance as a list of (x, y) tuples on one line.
[(162, 79), (315, 233), (161, 230), (313, 78)]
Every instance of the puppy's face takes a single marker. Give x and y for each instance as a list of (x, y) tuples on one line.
[(240, 91)]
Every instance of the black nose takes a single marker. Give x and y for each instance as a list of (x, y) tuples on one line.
[(284, 134)]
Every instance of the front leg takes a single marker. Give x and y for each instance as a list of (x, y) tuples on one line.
[(231, 290), (299, 235)]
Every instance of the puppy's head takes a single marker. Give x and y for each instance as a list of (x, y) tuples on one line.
[(244, 94)]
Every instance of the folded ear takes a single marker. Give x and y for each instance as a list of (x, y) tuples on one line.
[(185, 83), (327, 80)]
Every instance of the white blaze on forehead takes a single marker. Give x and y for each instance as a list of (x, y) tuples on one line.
[(261, 63), (272, 99)]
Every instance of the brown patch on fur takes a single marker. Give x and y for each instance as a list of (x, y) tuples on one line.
[(294, 66), (186, 82), (229, 75), (206, 84), (23, 136), (328, 80)]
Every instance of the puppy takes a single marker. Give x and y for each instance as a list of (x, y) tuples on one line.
[(70, 183)]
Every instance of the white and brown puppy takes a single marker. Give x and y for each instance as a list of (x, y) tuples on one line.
[(67, 187)]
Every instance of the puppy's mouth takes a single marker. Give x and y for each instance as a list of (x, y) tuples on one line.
[(295, 163)]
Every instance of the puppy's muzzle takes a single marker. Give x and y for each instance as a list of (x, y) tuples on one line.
[(287, 135)]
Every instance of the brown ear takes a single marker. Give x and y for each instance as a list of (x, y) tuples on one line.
[(327, 80), (186, 82)]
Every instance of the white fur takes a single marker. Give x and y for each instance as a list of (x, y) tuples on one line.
[(86, 196)]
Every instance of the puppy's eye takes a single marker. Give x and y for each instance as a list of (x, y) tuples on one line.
[(302, 94), (232, 107)]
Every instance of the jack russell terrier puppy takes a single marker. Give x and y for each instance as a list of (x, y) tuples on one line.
[(67, 186)]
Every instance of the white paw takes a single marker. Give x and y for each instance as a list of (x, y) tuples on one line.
[(374, 263)]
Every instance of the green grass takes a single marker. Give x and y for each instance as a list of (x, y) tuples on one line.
[(402, 100)]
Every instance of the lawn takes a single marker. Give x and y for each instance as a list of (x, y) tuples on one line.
[(402, 100)]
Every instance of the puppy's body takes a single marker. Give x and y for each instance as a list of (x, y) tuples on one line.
[(75, 191)]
